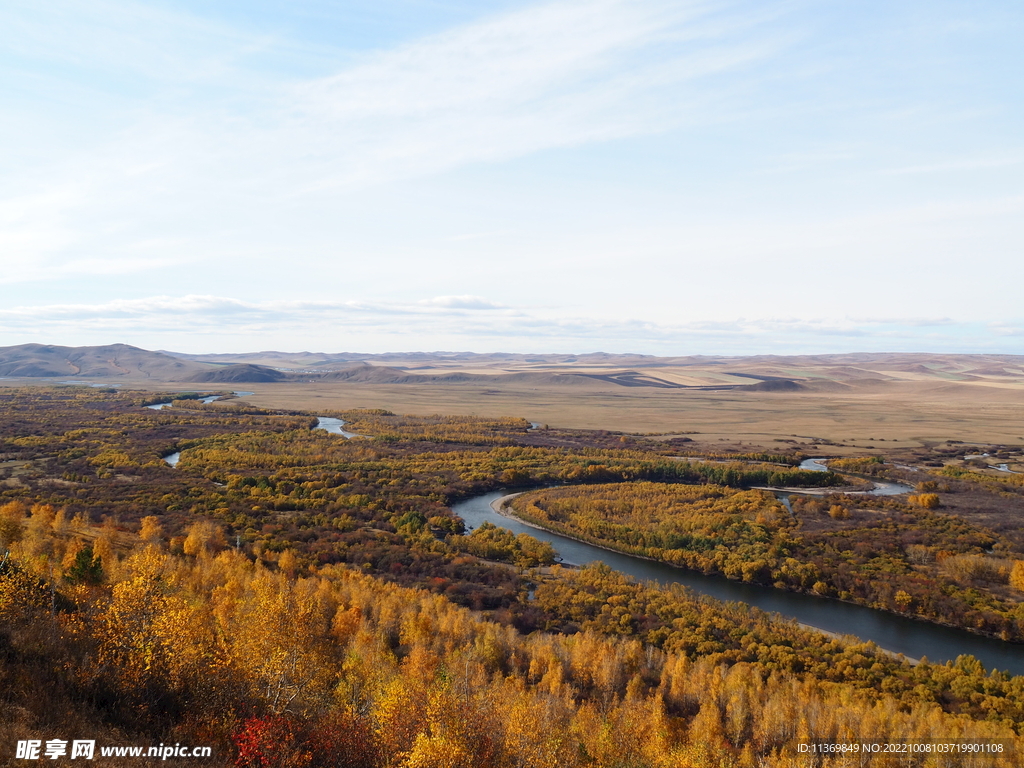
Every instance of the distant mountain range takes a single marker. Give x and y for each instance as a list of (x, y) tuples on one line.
[(595, 370), (121, 361), (112, 360)]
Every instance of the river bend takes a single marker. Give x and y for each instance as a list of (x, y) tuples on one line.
[(898, 634)]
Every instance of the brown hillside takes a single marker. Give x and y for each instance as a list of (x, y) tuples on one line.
[(108, 361)]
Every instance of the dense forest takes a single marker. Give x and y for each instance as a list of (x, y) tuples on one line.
[(897, 555), (293, 598)]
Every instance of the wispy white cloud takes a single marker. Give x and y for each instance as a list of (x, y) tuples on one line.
[(553, 75), (200, 309), (462, 302), (982, 163), (167, 148), (1008, 328), (474, 322)]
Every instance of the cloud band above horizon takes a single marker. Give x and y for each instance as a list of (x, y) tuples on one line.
[(205, 324)]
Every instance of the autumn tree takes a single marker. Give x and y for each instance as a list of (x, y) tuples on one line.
[(1017, 575)]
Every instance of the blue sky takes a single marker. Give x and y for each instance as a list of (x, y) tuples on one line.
[(619, 175)]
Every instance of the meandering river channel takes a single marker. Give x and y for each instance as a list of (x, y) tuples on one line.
[(334, 426), (898, 634)]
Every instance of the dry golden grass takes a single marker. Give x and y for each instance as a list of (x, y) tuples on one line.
[(905, 413)]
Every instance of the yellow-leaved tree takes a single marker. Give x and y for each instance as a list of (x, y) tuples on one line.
[(1017, 575)]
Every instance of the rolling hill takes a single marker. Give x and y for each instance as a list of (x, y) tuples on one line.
[(109, 361)]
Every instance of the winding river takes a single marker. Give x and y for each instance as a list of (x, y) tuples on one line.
[(334, 426), (898, 634), (172, 458), (207, 399), (326, 423), (881, 487)]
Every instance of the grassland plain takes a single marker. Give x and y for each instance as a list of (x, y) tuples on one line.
[(876, 416)]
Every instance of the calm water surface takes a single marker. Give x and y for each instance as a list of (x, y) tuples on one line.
[(334, 426), (882, 488), (895, 633), (207, 399)]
